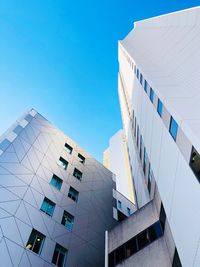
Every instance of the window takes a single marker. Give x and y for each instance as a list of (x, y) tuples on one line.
[(141, 142), (176, 260), (67, 220), (119, 204), (143, 239), (35, 241), (141, 78), (162, 217), (128, 211), (47, 206), (59, 256), (150, 174), (68, 148), (159, 107), (78, 174), (173, 128), (81, 158), (137, 135), (73, 194), (119, 254), (63, 163), (131, 247), (154, 232), (195, 163), (135, 127), (145, 86), (144, 161), (138, 73), (56, 182), (151, 95), (135, 69)]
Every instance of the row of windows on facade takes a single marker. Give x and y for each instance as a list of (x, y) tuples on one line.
[(69, 150), (35, 243), (119, 206), (139, 241), (173, 126)]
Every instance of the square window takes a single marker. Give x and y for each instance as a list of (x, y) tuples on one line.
[(159, 107), (73, 194), (63, 163), (56, 182), (81, 158), (119, 204), (67, 220), (173, 129), (47, 206), (145, 86), (195, 163), (78, 174), (151, 95), (59, 256), (35, 241), (68, 148)]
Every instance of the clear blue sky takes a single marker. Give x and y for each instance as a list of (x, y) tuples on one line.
[(60, 57)]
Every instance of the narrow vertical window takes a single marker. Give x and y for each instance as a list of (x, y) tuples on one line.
[(144, 161), (119, 204), (150, 178), (59, 256), (151, 95), (145, 86), (78, 174), (67, 220), (159, 107), (173, 129), (162, 217), (73, 194), (141, 78), (128, 211)]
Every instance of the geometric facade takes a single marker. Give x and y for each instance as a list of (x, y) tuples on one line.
[(55, 199)]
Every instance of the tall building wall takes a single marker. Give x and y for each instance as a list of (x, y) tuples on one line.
[(29, 160), (159, 90)]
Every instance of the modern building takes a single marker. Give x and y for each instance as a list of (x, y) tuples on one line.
[(159, 96), (56, 201)]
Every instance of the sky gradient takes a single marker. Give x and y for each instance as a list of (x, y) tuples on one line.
[(60, 57)]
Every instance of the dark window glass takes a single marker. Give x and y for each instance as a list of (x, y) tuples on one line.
[(138, 73), (176, 260), (154, 232), (141, 78), (111, 259), (143, 239), (48, 206), (119, 204), (59, 256), (159, 107), (81, 158), (195, 163), (151, 95), (128, 211), (119, 254), (173, 129), (63, 163), (135, 127), (35, 241), (144, 161), (141, 142), (78, 174), (68, 148), (145, 86), (150, 174), (67, 220), (73, 194), (131, 247), (162, 217), (56, 182), (137, 135)]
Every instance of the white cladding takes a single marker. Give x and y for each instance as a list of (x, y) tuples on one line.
[(166, 51)]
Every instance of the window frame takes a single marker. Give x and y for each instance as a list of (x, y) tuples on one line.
[(152, 94), (48, 203), (37, 233), (173, 124), (58, 180)]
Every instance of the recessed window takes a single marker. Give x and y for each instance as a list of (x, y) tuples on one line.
[(128, 211), (141, 142), (63, 163), (150, 174), (56, 182), (159, 107), (143, 239), (195, 163), (119, 204), (162, 217), (73, 194), (141, 78), (173, 129), (81, 158), (67, 220), (35, 241), (151, 95), (145, 86), (138, 73), (78, 174), (47, 206), (137, 135), (68, 148), (120, 254), (154, 232), (144, 161), (131, 247), (59, 256)]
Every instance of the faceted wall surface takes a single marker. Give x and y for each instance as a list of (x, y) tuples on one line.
[(29, 154)]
